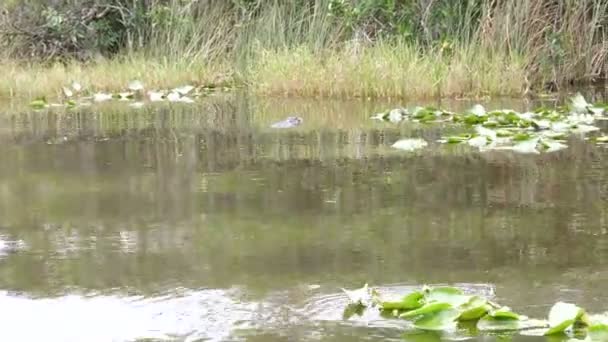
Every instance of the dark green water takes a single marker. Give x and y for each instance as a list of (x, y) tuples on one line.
[(196, 223)]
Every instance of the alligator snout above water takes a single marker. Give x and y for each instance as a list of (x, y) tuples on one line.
[(291, 121)]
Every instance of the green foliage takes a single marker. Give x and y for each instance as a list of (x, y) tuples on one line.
[(443, 308)]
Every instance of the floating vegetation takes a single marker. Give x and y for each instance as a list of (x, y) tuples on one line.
[(75, 96), (543, 130), (447, 308)]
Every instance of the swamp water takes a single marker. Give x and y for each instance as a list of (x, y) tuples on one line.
[(200, 223)]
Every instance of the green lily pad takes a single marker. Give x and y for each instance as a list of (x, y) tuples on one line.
[(451, 295), (427, 309), (597, 332), (412, 301), (522, 137), (562, 316), (504, 313), (474, 309), (39, 103), (441, 320)]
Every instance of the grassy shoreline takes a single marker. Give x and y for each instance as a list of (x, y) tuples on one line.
[(310, 48), (380, 71)]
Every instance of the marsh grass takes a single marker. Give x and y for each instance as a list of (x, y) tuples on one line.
[(25, 81), (387, 70), (301, 48)]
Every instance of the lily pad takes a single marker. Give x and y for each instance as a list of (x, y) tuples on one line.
[(427, 309), (474, 309), (504, 313), (441, 320), (598, 332), (562, 316), (39, 104), (450, 295), (412, 301)]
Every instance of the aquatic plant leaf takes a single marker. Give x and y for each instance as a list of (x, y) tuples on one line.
[(473, 119), (363, 296), (491, 324), (39, 104), (451, 295), (597, 334), (136, 85), (598, 328), (440, 320), (426, 309), (562, 316), (522, 136), (457, 139), (503, 133), (410, 144), (504, 313), (475, 308), (410, 302)]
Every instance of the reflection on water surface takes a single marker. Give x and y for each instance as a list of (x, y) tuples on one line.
[(201, 222)]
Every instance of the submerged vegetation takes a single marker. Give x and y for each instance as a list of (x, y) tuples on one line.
[(379, 48), (448, 309)]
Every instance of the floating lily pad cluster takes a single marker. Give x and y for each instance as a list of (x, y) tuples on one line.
[(542, 130), (445, 308), (136, 95)]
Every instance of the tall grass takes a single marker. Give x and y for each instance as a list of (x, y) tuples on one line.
[(472, 47)]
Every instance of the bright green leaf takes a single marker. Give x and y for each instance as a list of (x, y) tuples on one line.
[(451, 295), (475, 308), (410, 302), (441, 320), (504, 313), (39, 104), (426, 309), (562, 316)]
